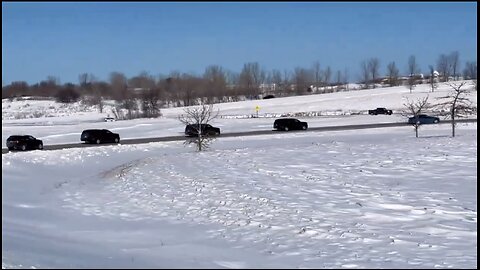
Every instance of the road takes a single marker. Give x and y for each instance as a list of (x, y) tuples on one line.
[(238, 134)]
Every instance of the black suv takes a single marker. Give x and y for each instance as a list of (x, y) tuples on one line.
[(192, 130), (24, 142), (287, 124), (380, 111), (99, 136)]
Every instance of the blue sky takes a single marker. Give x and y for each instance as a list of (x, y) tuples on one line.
[(66, 39)]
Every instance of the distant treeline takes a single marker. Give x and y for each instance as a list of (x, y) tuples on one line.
[(219, 85)]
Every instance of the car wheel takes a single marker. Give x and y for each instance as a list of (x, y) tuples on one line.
[(435, 121), (304, 127), (285, 128), (40, 146), (117, 140), (24, 147), (98, 141)]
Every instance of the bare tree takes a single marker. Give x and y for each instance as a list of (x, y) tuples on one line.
[(338, 78), (123, 95), (250, 79), (345, 78), (443, 66), (118, 82), (455, 63), (414, 109), (412, 72), (83, 79), (327, 75), (277, 80), (67, 94), (373, 66), (142, 81), (54, 80), (215, 81), (302, 80), (393, 73), (150, 102), (171, 84), (365, 74), (263, 76), (233, 80), (146, 90), (287, 82), (470, 71), (199, 116), (457, 104), (48, 88), (184, 89), (189, 88), (14, 89), (100, 90), (94, 90), (317, 74), (433, 80)]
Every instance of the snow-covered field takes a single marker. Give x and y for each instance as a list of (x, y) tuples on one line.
[(376, 198)]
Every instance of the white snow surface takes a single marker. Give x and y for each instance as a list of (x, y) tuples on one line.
[(377, 198)]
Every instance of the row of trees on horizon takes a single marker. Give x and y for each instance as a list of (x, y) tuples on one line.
[(217, 84)]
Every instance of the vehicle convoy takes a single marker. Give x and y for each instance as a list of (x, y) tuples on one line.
[(206, 129), (423, 119), (380, 111), (24, 142), (99, 136), (287, 124)]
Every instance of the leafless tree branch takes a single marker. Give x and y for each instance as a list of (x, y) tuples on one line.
[(198, 116), (456, 103), (414, 109)]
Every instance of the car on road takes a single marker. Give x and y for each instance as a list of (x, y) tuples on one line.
[(287, 124), (109, 119), (380, 111), (99, 136), (423, 119), (206, 129), (24, 142)]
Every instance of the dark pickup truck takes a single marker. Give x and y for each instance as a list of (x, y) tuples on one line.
[(380, 111)]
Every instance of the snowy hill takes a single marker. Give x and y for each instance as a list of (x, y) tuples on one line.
[(355, 101), (377, 198)]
